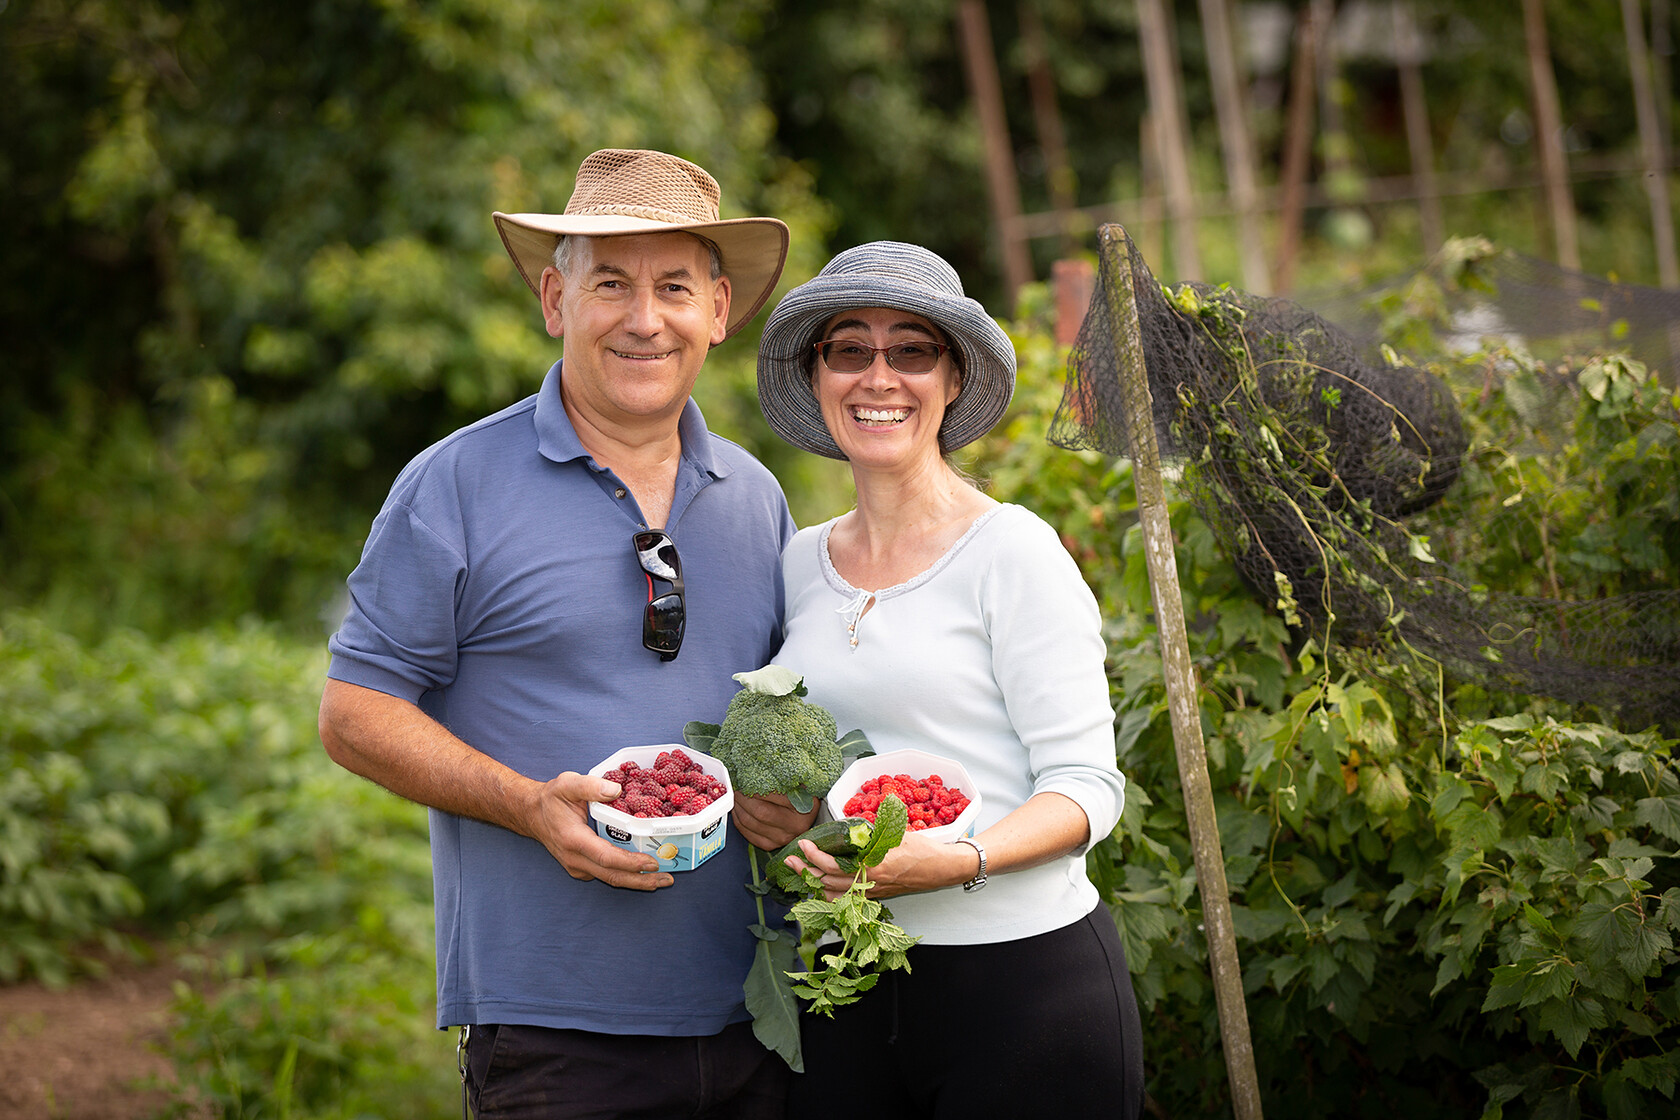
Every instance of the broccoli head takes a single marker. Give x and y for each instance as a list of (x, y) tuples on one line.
[(773, 741)]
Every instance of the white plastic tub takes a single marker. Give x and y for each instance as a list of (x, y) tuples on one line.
[(917, 764), (678, 843)]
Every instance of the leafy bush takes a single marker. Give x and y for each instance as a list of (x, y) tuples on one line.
[(1445, 900), (176, 791)]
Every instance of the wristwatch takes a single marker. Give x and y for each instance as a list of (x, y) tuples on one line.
[(979, 879)]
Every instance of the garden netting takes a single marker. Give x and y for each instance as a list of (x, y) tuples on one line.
[(1305, 450)]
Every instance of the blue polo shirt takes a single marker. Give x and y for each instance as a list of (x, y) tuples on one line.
[(499, 591)]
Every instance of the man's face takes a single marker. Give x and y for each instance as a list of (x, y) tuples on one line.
[(638, 315)]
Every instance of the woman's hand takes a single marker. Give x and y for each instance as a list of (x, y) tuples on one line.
[(917, 864), (1048, 826)]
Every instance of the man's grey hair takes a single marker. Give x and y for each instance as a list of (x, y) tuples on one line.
[(565, 253)]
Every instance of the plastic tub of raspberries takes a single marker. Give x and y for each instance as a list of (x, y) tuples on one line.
[(941, 797), (673, 805)]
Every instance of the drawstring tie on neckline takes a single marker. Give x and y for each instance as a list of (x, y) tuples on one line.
[(852, 611)]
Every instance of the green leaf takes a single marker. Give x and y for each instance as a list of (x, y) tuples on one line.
[(1655, 1071), (1509, 983), (700, 736), (854, 745), (1660, 814), (1571, 1020), (771, 1003), (1622, 1099), (1383, 789), (1539, 921)]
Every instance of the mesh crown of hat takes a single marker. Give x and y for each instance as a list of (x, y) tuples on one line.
[(644, 184)]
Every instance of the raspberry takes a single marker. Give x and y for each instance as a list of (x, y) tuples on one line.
[(700, 802), (931, 802)]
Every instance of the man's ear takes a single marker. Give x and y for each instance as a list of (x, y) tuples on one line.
[(720, 309), (550, 287)]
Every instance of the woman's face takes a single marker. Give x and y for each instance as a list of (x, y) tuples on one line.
[(880, 416)]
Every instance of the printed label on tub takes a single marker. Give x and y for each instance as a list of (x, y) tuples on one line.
[(682, 852)]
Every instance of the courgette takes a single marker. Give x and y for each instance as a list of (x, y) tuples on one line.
[(843, 839)]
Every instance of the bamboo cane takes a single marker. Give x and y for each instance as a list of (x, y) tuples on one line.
[(1181, 686)]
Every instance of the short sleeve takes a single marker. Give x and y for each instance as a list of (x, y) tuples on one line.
[(399, 636)]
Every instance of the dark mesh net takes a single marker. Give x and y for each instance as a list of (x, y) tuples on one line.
[(1304, 451), (1473, 289)]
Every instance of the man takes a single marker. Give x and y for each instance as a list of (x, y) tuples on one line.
[(580, 572)]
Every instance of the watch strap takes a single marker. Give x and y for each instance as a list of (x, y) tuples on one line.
[(979, 879)]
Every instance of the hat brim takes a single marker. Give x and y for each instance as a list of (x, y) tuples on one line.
[(784, 387), (753, 249)]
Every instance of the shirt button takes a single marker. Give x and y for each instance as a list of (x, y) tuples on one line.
[(619, 493)]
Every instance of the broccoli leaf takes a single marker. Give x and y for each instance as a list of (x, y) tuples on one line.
[(770, 999), (854, 745), (773, 680), (701, 735)]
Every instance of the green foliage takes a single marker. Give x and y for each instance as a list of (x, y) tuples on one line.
[(1572, 486), (177, 792), (1445, 900), (870, 944), (255, 273)]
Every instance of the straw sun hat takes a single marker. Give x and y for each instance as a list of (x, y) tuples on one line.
[(904, 278), (628, 191)]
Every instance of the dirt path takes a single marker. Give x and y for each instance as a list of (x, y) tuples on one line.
[(89, 1051)]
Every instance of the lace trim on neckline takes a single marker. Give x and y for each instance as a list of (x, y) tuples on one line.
[(857, 594)]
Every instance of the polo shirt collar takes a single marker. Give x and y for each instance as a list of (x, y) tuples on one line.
[(558, 440)]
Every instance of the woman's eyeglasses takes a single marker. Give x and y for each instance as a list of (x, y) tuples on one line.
[(662, 623), (844, 355)]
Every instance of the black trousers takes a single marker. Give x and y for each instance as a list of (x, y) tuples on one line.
[(1043, 1026), (517, 1072)]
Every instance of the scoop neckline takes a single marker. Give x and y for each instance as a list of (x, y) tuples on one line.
[(839, 582)]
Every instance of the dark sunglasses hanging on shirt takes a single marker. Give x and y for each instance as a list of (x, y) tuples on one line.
[(662, 622)]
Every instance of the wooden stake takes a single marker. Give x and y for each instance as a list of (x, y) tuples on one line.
[(1160, 66), (1652, 146), (1240, 175), (1181, 682), (1002, 187), (1297, 148), (1052, 141), (1408, 50), (1548, 136)]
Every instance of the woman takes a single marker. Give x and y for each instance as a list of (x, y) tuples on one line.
[(934, 617)]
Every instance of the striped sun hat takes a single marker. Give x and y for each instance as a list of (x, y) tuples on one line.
[(904, 278)]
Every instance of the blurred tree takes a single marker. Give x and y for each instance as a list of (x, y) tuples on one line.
[(250, 269)]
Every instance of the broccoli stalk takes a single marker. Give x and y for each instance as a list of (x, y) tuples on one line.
[(773, 741)]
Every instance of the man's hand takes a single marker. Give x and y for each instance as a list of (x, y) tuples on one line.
[(391, 741), (769, 822), (560, 820)]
